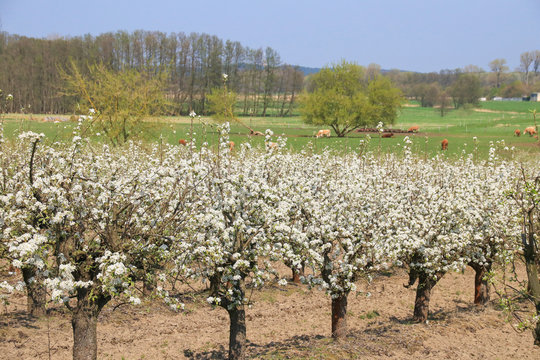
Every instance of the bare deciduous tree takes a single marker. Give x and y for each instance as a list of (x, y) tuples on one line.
[(498, 66), (526, 59)]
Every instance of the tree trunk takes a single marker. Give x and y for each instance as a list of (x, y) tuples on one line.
[(149, 285), (84, 322), (84, 325), (237, 333), (481, 285), (339, 319), (423, 295), (529, 252), (36, 294)]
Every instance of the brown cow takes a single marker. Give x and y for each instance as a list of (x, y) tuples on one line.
[(387, 135), (413, 128), (444, 144), (256, 133), (530, 130), (517, 133), (322, 133), (272, 145), (182, 142), (231, 145)]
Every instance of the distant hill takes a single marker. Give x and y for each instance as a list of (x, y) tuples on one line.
[(310, 70)]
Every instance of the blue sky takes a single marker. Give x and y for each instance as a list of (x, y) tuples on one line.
[(416, 35)]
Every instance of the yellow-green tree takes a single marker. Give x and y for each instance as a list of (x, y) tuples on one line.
[(221, 102), (118, 101), (343, 98)]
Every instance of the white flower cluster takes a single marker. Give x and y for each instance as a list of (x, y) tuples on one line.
[(111, 217)]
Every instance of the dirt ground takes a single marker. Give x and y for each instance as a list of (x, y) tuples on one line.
[(289, 322)]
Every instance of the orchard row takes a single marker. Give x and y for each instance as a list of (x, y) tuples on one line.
[(86, 223)]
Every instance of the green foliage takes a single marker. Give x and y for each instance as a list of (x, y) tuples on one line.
[(427, 94), (466, 90), (340, 97), (221, 103), (514, 90), (119, 101)]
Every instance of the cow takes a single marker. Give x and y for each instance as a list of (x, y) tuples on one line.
[(517, 133), (387, 135), (272, 145), (444, 144), (322, 133), (256, 133), (182, 142), (530, 130), (231, 145), (413, 128)]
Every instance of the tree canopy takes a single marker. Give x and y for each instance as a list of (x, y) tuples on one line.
[(221, 102), (118, 100), (343, 98), (466, 90)]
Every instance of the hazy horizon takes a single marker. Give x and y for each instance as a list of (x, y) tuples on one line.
[(415, 35)]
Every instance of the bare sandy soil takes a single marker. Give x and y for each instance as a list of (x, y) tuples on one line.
[(289, 322)]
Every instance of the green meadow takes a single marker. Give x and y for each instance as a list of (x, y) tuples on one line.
[(490, 122)]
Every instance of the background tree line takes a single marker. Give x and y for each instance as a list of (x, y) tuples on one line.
[(192, 64), (33, 70), (466, 85)]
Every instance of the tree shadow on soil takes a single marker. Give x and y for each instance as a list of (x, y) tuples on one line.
[(299, 343), (379, 340), (18, 319), (462, 308)]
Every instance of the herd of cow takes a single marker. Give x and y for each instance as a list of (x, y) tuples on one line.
[(413, 129), (529, 130)]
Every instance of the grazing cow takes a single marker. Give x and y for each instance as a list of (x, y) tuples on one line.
[(388, 135), (256, 133), (530, 130), (231, 145), (444, 144), (182, 142), (517, 133), (413, 128), (322, 133)]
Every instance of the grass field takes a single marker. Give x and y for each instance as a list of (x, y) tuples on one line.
[(493, 121), (515, 106)]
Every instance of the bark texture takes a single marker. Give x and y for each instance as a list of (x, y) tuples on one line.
[(481, 285), (237, 333), (339, 319), (423, 295), (84, 323), (36, 294), (149, 286), (530, 254)]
